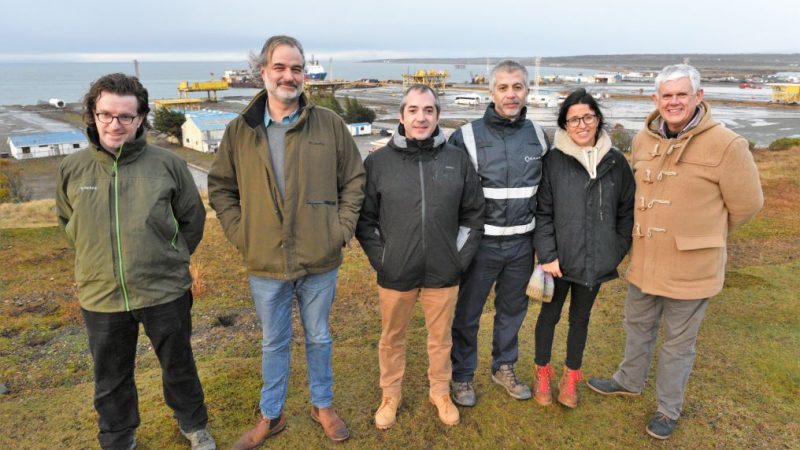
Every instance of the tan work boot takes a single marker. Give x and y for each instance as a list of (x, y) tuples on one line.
[(542, 381), (448, 413), (386, 415), (334, 427), (256, 436), (568, 387)]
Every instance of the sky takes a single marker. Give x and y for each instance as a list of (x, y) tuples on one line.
[(354, 30)]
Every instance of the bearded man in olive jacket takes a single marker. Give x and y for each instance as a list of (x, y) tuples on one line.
[(287, 185), (695, 182)]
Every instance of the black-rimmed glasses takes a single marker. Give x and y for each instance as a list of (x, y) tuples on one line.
[(588, 119), (107, 118)]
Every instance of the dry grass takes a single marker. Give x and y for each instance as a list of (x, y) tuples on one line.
[(743, 393), (33, 214)]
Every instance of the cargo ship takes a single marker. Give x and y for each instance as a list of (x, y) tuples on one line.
[(242, 78), (315, 71)]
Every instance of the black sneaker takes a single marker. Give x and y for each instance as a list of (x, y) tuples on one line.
[(609, 387), (661, 426)]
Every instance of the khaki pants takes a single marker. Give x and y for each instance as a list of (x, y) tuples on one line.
[(438, 306)]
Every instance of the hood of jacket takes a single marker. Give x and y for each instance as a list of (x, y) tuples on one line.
[(589, 157), (401, 143), (495, 120)]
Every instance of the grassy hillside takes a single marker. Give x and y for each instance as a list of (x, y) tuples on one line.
[(743, 392)]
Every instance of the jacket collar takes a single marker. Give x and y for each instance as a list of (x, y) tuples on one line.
[(400, 142), (126, 154), (253, 113), (496, 120), (701, 122), (588, 157)]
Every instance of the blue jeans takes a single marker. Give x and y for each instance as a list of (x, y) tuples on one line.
[(273, 301)]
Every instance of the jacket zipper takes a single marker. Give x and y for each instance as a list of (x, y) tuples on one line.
[(120, 264), (422, 192)]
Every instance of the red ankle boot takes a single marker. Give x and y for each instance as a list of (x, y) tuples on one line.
[(568, 387), (543, 378)]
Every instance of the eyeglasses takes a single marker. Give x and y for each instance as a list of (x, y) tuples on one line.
[(589, 120), (108, 118)]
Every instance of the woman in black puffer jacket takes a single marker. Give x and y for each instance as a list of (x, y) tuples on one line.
[(584, 220)]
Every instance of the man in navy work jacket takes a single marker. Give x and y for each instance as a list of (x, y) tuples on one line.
[(506, 149)]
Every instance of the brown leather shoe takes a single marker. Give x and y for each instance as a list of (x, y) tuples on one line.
[(256, 436), (333, 426)]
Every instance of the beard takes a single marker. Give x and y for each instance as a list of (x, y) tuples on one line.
[(279, 92)]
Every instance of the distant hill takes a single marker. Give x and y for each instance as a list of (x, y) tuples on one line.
[(709, 64)]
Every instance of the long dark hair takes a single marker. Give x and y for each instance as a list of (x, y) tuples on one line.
[(580, 97)]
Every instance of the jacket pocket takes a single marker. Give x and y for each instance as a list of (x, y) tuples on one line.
[(698, 257)]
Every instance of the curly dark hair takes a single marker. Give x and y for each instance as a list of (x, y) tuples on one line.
[(580, 97), (120, 84)]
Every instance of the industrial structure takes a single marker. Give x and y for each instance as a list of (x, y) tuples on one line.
[(203, 129), (178, 104), (40, 145), (210, 87), (436, 79), (787, 93)]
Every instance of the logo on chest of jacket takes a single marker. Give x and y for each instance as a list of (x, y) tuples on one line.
[(529, 158), (87, 188)]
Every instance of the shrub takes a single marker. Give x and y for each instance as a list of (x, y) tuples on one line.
[(328, 101), (620, 138), (12, 189), (784, 143), (169, 122), (355, 112)]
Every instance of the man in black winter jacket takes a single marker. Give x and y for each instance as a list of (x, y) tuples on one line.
[(420, 226), (506, 149)]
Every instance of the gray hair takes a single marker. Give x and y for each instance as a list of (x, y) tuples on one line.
[(678, 71), (507, 65), (421, 88), (274, 42)]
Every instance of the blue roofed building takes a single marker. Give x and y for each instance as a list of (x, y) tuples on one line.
[(203, 129), (40, 145)]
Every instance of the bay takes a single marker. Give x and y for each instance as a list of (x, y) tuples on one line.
[(33, 83)]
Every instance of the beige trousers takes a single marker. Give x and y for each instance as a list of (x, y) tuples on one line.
[(438, 305)]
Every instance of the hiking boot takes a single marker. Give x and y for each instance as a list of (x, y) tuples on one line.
[(334, 427), (506, 377), (463, 393), (568, 387), (609, 386), (661, 426), (256, 436), (448, 413), (200, 439), (541, 385), (386, 415)]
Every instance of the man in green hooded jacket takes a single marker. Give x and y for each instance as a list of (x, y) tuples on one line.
[(134, 216)]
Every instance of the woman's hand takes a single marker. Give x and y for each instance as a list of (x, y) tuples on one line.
[(552, 268)]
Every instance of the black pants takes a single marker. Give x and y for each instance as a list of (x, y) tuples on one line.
[(580, 307), (508, 268), (112, 342)]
